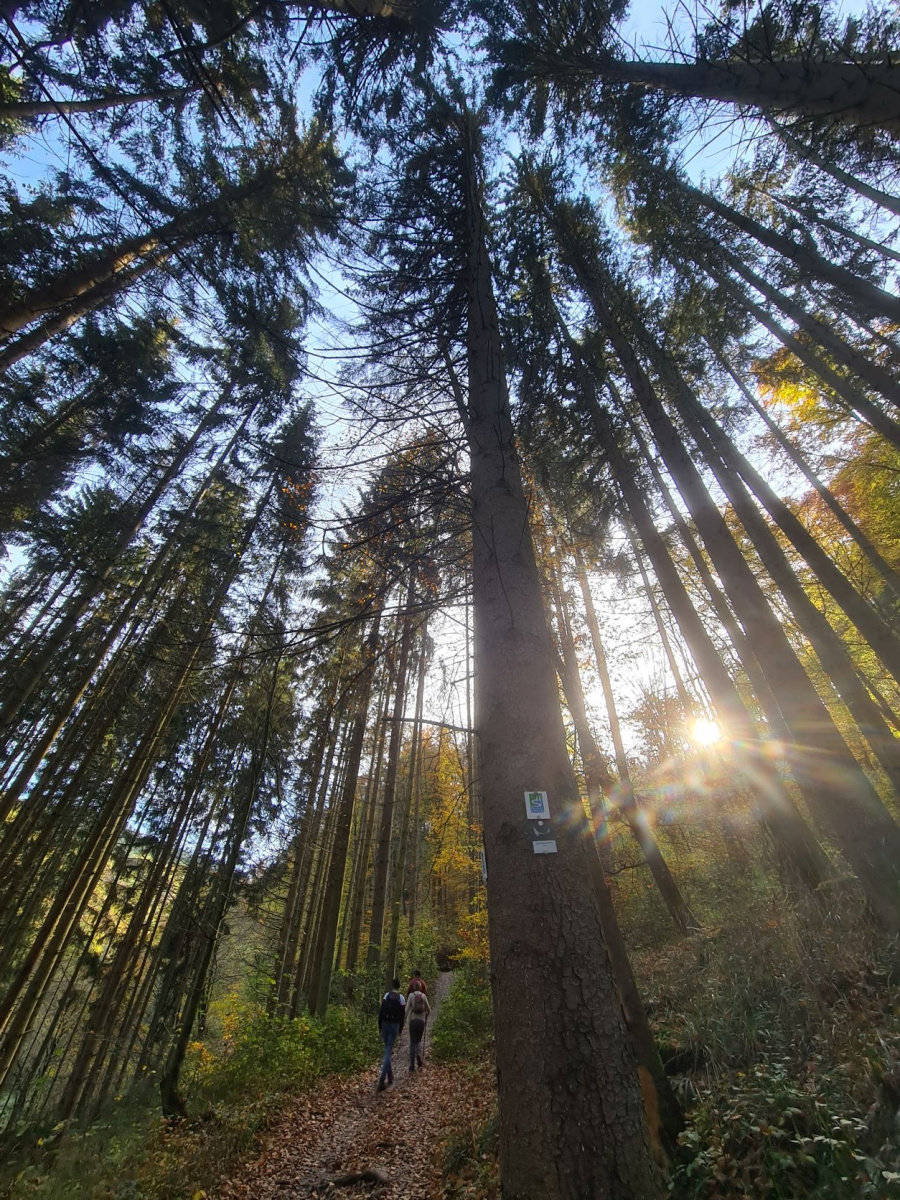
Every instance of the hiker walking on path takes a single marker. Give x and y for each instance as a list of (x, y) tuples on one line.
[(418, 1008), (390, 1022), (352, 1129), (416, 978)]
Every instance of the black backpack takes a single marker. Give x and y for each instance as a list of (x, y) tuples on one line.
[(392, 1008)]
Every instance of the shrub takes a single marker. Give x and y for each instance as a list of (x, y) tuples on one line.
[(237, 1085), (465, 1025), (262, 1054)]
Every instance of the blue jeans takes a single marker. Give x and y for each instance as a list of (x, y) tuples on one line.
[(390, 1031)]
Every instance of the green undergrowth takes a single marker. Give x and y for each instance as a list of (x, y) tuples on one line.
[(465, 1027), (234, 1087), (416, 951), (781, 1029)]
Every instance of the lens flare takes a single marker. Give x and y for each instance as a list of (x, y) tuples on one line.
[(706, 732)]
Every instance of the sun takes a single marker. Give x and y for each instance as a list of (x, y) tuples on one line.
[(706, 732)]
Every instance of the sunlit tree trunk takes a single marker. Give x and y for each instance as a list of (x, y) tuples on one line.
[(836, 789)]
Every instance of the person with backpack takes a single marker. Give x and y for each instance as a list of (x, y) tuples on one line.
[(416, 979), (418, 1007), (390, 1022)]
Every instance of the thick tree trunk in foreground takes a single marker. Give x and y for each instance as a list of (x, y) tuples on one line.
[(572, 1124), (665, 1119)]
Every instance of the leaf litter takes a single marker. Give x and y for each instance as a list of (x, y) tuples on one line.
[(396, 1138)]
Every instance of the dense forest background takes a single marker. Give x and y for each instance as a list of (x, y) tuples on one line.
[(404, 407)]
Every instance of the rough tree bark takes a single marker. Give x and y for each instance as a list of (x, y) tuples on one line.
[(572, 1124)]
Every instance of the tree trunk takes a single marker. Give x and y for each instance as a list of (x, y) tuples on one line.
[(596, 776), (28, 675), (839, 795), (359, 897), (572, 1124), (383, 847), (172, 1103), (736, 636), (828, 498), (105, 270), (590, 617), (845, 391), (875, 300), (860, 366), (796, 842), (729, 466), (286, 950), (334, 884), (289, 996), (399, 880), (22, 110), (830, 167), (64, 318), (865, 94)]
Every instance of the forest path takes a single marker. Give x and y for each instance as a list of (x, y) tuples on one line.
[(345, 1127)]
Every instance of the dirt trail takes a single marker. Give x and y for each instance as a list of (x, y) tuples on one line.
[(345, 1127)]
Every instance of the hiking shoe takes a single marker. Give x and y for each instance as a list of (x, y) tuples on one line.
[(419, 1061), (380, 1086)]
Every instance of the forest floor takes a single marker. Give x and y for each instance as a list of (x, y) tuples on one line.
[(346, 1128)]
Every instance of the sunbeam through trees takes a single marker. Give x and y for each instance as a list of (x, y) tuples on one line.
[(451, 523)]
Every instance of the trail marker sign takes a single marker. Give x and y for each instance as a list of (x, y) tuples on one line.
[(537, 806)]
